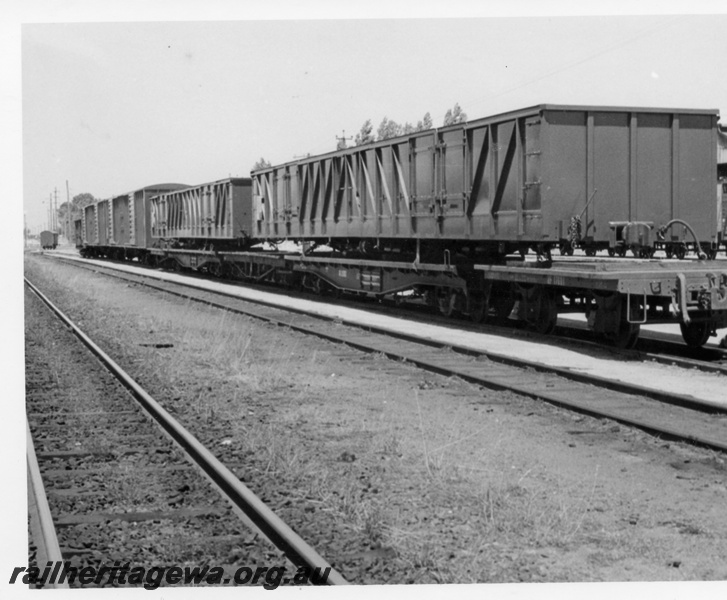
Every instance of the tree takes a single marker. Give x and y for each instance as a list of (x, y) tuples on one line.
[(80, 201), (425, 123), (388, 129), (261, 164), (366, 134), (455, 115), (77, 204)]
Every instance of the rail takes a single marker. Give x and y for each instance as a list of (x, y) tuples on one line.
[(42, 529), (270, 525)]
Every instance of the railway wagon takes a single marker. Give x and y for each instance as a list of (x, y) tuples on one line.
[(48, 240), (121, 226), (548, 176), (215, 214), (438, 214)]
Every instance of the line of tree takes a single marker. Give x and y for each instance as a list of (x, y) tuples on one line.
[(388, 128)]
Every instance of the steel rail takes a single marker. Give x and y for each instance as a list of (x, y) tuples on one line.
[(273, 527), (42, 529)]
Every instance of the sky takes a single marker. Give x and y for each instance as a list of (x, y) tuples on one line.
[(114, 106), (115, 95)]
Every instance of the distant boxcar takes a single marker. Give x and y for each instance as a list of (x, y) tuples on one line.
[(131, 215), (48, 240), (121, 226)]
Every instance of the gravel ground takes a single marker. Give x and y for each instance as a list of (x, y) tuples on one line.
[(396, 475)]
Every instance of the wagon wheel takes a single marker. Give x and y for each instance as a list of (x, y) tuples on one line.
[(680, 251), (502, 302), (214, 269), (590, 251), (445, 302), (626, 336), (696, 334), (479, 306), (611, 252), (547, 315)]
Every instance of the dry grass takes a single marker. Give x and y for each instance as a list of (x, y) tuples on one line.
[(428, 457)]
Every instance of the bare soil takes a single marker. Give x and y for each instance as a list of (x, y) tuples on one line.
[(397, 475)]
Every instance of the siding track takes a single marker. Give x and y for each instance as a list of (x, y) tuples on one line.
[(666, 415)]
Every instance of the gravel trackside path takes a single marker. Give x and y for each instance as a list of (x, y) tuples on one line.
[(395, 475)]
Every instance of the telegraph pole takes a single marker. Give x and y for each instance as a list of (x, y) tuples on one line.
[(50, 212), (55, 210), (68, 213), (342, 141)]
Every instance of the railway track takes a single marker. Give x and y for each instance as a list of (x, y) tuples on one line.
[(667, 415), (663, 348), (121, 475)]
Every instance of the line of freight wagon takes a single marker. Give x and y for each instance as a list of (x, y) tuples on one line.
[(477, 218)]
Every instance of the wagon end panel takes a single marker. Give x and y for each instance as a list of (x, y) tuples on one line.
[(451, 179), (242, 208), (532, 178), (142, 222)]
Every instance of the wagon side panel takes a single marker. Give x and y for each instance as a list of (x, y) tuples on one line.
[(696, 155)]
